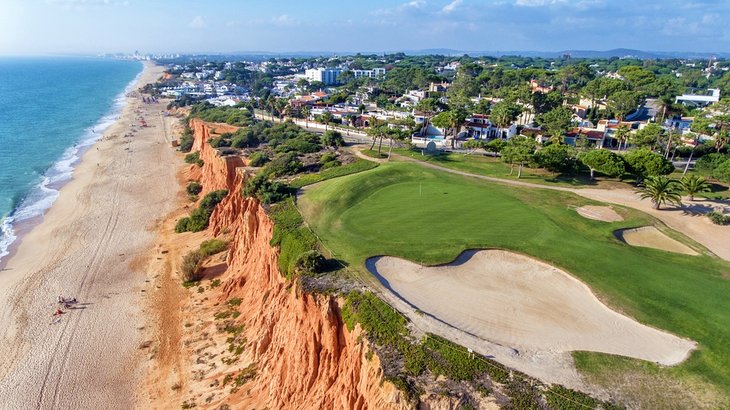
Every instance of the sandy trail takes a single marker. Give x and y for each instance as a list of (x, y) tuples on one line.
[(517, 301), (85, 247)]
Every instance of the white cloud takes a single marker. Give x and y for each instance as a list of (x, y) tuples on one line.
[(284, 20), (197, 23), (451, 6), (538, 3), (404, 7)]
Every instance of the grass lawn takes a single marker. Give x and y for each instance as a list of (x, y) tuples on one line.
[(329, 173), (405, 210), (494, 167)]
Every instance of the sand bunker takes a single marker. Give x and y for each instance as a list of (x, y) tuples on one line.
[(523, 303), (651, 237), (599, 213)]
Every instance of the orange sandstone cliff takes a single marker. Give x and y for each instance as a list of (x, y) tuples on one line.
[(291, 349)]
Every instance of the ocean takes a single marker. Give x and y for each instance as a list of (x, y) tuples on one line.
[(51, 110)]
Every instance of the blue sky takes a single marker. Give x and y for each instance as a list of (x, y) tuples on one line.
[(93, 26)]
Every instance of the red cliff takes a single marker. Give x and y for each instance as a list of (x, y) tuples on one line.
[(303, 355)]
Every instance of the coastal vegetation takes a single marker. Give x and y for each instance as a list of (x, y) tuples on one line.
[(406, 359), (198, 219), (212, 247), (194, 158), (229, 115), (190, 266), (434, 216)]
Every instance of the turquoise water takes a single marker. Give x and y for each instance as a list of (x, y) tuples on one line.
[(50, 110)]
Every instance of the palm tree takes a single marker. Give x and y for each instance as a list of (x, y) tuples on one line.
[(622, 135), (306, 112), (694, 184), (661, 190)]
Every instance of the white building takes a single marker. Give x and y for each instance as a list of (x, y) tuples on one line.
[(327, 76), (699, 100), (480, 127)]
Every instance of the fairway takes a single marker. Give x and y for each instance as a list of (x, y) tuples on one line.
[(430, 217)]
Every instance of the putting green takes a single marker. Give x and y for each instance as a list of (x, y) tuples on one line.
[(430, 217)]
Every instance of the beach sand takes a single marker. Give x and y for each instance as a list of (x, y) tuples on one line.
[(89, 245)]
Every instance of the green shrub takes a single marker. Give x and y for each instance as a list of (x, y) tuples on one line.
[(719, 219), (194, 188), (187, 139), (268, 192), (722, 171), (258, 159), (220, 141), (190, 267), (213, 246), (186, 143), (229, 115), (198, 219), (283, 164), (332, 139), (327, 157), (709, 162), (331, 164), (309, 262), (293, 238), (194, 158)]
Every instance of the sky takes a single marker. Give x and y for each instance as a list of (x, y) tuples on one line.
[(30, 27)]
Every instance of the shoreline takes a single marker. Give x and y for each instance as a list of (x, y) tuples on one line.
[(13, 229), (88, 245)]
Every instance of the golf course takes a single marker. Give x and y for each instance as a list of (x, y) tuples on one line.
[(429, 217)]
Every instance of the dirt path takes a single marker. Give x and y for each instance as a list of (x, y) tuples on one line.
[(688, 220)]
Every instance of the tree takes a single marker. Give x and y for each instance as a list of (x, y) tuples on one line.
[(495, 145), (722, 172), (556, 158), (429, 106), (557, 122), (504, 113), (603, 161), (518, 150), (622, 135), (332, 139), (649, 136), (543, 103), (644, 163), (694, 184), (326, 118), (622, 103), (450, 120), (660, 190)]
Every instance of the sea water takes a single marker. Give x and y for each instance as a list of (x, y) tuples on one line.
[(51, 110)]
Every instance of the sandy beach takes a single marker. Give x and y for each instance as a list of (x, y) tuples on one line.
[(90, 245)]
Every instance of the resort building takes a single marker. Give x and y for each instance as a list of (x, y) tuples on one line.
[(479, 126), (327, 76), (699, 100)]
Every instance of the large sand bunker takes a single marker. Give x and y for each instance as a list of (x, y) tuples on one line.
[(599, 213), (523, 303), (651, 237)]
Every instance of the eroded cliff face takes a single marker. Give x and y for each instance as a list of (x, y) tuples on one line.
[(296, 353), (218, 172)]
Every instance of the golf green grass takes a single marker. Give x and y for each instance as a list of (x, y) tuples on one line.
[(406, 210)]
